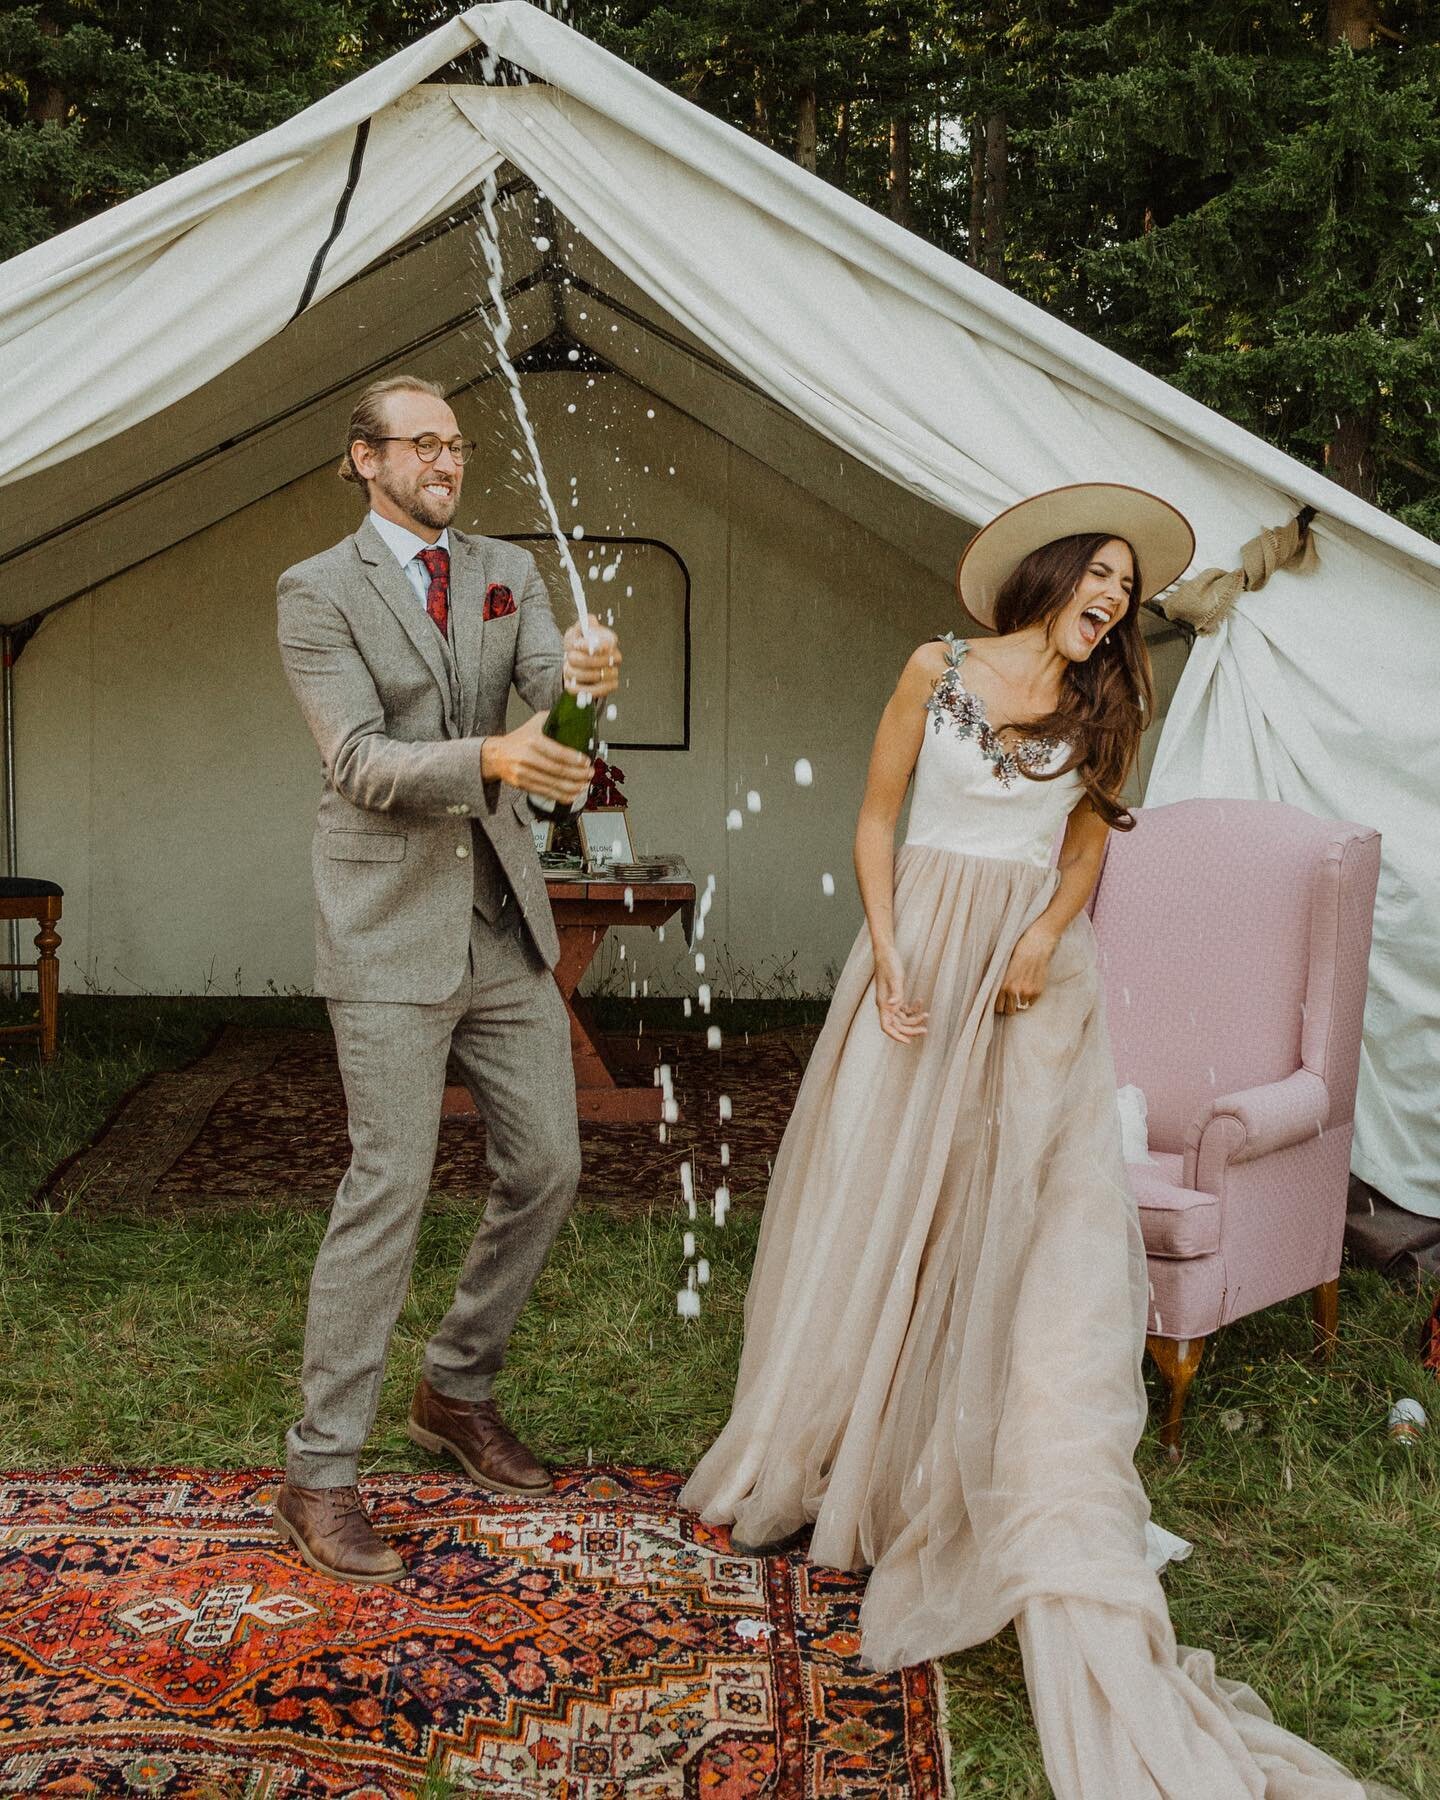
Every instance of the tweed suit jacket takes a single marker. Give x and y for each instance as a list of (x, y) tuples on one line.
[(399, 727)]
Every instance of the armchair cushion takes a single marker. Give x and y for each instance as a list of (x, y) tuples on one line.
[(1254, 1122), (1175, 1220)]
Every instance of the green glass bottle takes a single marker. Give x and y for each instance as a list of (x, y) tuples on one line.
[(574, 721)]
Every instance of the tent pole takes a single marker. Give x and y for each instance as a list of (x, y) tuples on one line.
[(7, 688)]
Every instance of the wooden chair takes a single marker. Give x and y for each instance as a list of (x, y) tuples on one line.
[(21, 898)]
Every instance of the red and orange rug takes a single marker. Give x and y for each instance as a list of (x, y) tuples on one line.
[(156, 1639), (260, 1115)]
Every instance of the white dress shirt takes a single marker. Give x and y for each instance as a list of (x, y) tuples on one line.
[(405, 546)]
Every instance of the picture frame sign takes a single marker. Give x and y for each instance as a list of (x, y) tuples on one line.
[(605, 837)]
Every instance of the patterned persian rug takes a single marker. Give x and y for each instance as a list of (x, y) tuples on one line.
[(260, 1115), (155, 1639)]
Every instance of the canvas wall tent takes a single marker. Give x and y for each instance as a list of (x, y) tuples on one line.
[(841, 404)]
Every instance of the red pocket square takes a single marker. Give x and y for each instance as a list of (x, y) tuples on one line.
[(499, 601)]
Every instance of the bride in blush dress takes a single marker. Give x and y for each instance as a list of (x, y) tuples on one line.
[(944, 1328)]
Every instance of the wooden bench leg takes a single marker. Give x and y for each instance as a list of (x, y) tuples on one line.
[(1325, 1310), (1177, 1361), (47, 976)]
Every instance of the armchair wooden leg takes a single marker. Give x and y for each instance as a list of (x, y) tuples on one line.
[(1325, 1309), (47, 978), (1177, 1361)]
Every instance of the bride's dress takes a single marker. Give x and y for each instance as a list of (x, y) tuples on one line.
[(944, 1327)]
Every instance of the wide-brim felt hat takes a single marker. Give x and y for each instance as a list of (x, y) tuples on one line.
[(1159, 534)]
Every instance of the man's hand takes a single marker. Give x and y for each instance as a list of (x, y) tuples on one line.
[(592, 659), (527, 759)]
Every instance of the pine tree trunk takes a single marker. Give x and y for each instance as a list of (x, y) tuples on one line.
[(977, 192), (898, 174), (760, 106), (1351, 22), (841, 159), (996, 176), (47, 104), (807, 127), (993, 150), (1350, 454), (899, 179)]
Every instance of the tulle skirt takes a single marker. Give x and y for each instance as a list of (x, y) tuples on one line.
[(943, 1337)]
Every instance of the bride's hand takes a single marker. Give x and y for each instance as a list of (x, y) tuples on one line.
[(897, 1019), (1029, 965)]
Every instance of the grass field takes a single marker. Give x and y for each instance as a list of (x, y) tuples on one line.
[(177, 1340)]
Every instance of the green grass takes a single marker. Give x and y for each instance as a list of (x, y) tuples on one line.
[(177, 1340)]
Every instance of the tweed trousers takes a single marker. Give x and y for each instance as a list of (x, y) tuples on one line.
[(508, 1032)]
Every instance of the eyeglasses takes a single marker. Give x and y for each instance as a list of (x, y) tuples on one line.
[(428, 446)]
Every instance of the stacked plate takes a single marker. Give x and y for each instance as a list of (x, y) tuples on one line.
[(646, 868)]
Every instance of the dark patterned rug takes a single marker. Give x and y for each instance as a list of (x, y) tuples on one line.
[(260, 1115), (155, 1639)]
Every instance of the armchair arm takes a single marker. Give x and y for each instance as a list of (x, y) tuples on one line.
[(1254, 1122)]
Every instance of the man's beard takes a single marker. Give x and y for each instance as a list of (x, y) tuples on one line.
[(425, 509)]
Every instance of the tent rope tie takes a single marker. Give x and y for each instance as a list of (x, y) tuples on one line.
[(1205, 600)]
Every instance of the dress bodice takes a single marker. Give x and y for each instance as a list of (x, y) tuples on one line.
[(971, 792)]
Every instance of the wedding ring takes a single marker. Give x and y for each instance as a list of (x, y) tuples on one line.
[(1020, 1005)]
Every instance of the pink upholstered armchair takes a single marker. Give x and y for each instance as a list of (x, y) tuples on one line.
[(1234, 939)]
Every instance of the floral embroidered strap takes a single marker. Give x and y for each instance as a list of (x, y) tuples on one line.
[(953, 703)]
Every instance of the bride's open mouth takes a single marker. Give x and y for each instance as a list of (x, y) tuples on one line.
[(1093, 622)]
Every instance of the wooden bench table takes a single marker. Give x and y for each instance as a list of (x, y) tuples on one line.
[(585, 907)]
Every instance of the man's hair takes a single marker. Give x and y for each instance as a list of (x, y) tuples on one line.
[(370, 417)]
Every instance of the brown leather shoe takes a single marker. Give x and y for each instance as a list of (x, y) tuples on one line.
[(473, 1432), (329, 1528)]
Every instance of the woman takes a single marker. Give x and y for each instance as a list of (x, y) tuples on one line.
[(941, 1367)]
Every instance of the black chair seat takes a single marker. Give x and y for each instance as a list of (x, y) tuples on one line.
[(21, 887)]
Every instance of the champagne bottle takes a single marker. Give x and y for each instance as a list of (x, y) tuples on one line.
[(574, 720)]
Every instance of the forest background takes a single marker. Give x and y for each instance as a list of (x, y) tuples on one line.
[(1241, 198)]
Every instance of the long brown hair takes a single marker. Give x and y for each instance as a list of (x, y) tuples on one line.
[(1106, 700)]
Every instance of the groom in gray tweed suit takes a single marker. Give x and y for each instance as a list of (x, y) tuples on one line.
[(434, 939)]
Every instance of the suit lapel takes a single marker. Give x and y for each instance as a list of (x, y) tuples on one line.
[(467, 621), (389, 581)]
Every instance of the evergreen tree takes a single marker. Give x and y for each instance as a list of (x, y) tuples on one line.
[(1245, 201), (100, 99)]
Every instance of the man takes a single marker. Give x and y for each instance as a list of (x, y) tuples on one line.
[(434, 939)]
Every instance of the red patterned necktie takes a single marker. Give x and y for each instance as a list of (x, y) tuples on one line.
[(436, 563)]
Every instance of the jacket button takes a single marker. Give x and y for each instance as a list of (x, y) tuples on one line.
[(460, 850)]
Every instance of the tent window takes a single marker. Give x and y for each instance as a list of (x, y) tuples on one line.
[(649, 595)]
